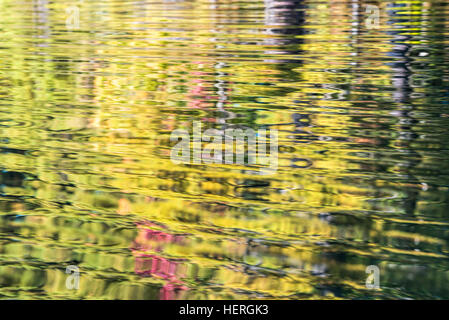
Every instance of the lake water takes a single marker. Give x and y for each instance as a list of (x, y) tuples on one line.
[(91, 92)]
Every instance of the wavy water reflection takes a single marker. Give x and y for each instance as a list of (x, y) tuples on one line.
[(86, 112)]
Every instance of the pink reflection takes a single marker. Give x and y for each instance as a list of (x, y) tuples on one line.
[(172, 270)]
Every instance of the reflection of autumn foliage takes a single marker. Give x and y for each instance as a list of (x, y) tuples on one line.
[(85, 137), (147, 265)]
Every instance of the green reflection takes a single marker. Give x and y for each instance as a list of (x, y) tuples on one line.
[(86, 113)]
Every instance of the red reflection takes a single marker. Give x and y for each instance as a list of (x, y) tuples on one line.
[(172, 270)]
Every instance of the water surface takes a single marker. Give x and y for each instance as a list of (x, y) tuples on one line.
[(86, 113)]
